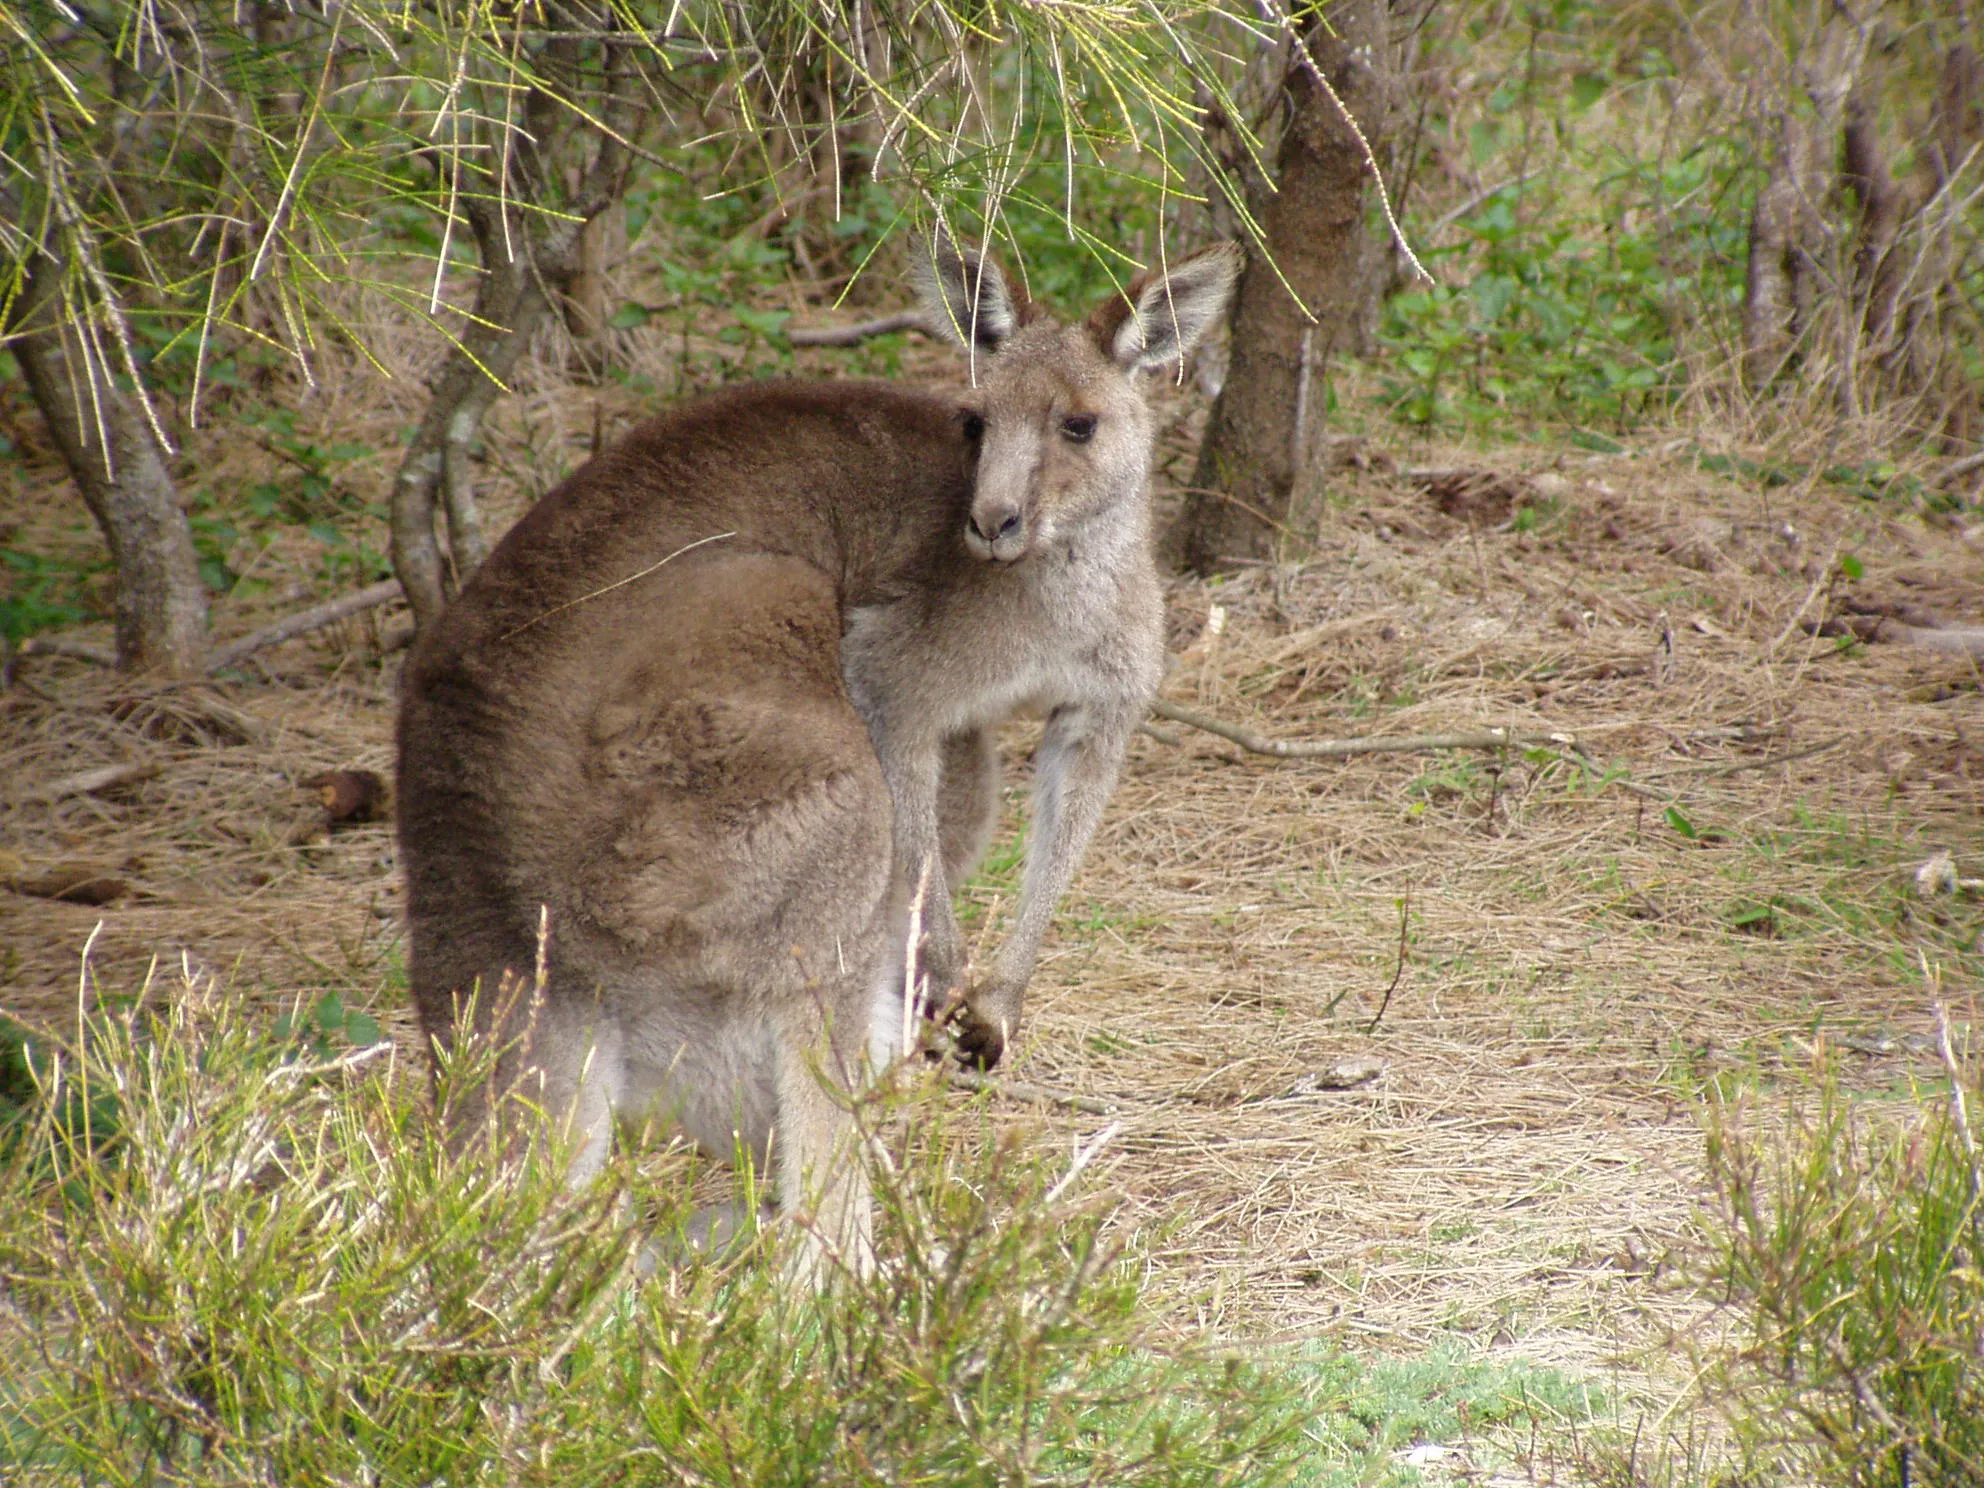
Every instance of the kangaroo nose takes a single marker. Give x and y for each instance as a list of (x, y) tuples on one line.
[(996, 523)]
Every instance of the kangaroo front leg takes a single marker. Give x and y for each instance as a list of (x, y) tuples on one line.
[(1074, 772), (967, 801), (912, 767)]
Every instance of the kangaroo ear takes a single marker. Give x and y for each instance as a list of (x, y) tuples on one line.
[(1164, 316), (965, 295)]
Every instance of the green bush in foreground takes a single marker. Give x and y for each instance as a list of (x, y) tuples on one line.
[(230, 1259), (1852, 1242)]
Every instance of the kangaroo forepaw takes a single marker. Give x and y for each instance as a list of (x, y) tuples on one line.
[(978, 1041)]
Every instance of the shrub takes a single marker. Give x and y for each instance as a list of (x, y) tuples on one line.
[(273, 1274), (1851, 1242)]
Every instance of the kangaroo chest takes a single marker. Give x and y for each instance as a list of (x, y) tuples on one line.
[(1065, 631)]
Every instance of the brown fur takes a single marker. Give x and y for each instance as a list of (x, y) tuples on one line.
[(678, 710)]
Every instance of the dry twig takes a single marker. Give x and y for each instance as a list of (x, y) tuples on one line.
[(303, 622), (1715, 772), (854, 335), (89, 782), (64, 646), (1038, 1095), (1404, 923), (1246, 738)]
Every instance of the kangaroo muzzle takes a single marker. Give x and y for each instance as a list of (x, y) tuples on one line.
[(996, 532)]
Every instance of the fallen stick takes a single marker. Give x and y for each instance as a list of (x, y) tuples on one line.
[(1606, 777), (1400, 744), (854, 335), (1950, 640), (89, 782), (303, 622), (1038, 1095), (1714, 772), (63, 646), (1246, 738), (1957, 469)]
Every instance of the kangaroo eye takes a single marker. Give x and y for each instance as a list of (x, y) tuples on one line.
[(973, 424), (1078, 428)]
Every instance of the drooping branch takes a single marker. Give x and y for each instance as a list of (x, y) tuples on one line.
[(529, 257)]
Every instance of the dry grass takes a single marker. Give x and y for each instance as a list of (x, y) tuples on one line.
[(1573, 967)]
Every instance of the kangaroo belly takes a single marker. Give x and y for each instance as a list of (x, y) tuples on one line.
[(711, 1079)]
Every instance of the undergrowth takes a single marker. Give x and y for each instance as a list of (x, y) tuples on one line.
[(234, 1254), (1849, 1241)]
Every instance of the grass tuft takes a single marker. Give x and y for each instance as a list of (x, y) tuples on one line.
[(1850, 1240), (275, 1274)]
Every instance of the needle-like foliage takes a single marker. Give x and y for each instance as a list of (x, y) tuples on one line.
[(215, 173), (232, 1259)]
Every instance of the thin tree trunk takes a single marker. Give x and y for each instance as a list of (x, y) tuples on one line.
[(1259, 436), (526, 256), (436, 476), (1787, 223), (601, 248), (119, 464)]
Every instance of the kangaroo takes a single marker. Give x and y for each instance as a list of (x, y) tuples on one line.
[(721, 700)]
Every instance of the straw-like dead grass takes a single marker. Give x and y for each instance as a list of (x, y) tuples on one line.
[(1576, 955)]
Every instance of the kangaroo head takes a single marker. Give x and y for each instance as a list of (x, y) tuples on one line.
[(1059, 412)]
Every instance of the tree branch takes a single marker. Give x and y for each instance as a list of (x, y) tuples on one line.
[(303, 622), (89, 782), (1246, 738), (1038, 1095), (854, 335), (63, 646)]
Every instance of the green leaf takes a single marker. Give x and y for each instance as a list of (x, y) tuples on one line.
[(766, 323), (1851, 567), (630, 315), (1678, 820)]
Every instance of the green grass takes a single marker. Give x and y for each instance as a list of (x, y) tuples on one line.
[(1849, 1241), (235, 1253), (43, 593)]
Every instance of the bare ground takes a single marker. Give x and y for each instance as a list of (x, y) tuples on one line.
[(1543, 952)]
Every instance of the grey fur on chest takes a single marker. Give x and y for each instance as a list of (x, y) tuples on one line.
[(1066, 631)]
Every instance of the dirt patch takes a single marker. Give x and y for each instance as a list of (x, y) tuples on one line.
[(1710, 868)]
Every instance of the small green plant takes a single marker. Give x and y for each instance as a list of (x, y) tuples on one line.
[(43, 593), (1451, 781), (328, 1028), (281, 1274), (1850, 1241)]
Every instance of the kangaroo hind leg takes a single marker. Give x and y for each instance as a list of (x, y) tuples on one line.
[(822, 1184)]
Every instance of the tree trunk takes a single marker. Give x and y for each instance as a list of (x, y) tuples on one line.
[(117, 460), (525, 254), (1258, 439), (1787, 224), (601, 249), (435, 477)]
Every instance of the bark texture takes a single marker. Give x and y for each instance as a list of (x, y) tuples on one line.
[(1260, 433), (121, 468), (1787, 223)]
